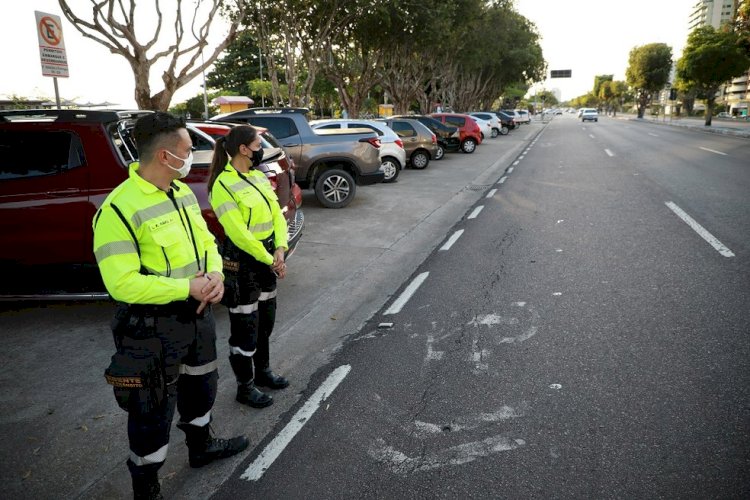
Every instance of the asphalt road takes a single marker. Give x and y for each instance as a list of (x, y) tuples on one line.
[(577, 338), (63, 435)]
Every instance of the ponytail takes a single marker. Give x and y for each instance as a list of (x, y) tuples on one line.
[(228, 146), (218, 162)]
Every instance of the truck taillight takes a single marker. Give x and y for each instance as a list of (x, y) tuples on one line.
[(374, 141)]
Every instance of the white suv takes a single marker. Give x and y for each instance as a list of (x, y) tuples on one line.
[(392, 153)]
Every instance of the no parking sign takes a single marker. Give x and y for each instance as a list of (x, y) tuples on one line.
[(51, 45)]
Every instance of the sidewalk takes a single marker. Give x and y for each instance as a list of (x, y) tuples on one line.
[(739, 128)]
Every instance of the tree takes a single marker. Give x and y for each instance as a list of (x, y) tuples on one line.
[(113, 25), (599, 80), (239, 65), (648, 71), (711, 58), (194, 107)]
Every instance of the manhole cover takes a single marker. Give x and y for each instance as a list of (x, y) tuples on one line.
[(481, 187)]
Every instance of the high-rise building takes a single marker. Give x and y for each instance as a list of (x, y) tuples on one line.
[(712, 13)]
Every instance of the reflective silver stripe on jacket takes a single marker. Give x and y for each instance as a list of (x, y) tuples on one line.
[(267, 295), (115, 248), (244, 309), (225, 207), (187, 271), (259, 228), (199, 370), (237, 350), (152, 458), (201, 421), (239, 186), (163, 208)]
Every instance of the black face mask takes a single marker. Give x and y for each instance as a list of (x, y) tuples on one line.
[(257, 157)]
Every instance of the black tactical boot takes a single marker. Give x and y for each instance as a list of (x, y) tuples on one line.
[(248, 394), (145, 481), (204, 449), (267, 378)]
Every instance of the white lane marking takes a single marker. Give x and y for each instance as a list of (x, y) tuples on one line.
[(476, 211), (610, 153), (454, 238), (516, 162), (502, 179), (592, 136), (710, 238), (521, 157), (510, 170), (712, 151), (653, 135), (491, 193), (273, 450), (407, 293)]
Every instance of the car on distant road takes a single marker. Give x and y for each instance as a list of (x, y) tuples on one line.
[(392, 153), (589, 114)]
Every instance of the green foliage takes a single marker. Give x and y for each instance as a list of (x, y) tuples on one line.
[(710, 59), (649, 66), (648, 71), (238, 66), (599, 80), (194, 107)]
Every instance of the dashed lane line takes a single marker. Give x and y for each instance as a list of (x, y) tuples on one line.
[(276, 447), (710, 238), (473, 215), (407, 294), (712, 151), (452, 240)]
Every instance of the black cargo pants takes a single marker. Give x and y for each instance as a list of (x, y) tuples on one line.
[(251, 322), (188, 354)]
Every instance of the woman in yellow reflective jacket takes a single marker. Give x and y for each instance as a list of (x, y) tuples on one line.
[(256, 239)]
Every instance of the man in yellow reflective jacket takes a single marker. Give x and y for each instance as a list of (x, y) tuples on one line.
[(158, 259)]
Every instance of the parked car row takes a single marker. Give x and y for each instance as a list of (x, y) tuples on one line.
[(49, 195)]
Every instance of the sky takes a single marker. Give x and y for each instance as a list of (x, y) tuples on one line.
[(589, 37)]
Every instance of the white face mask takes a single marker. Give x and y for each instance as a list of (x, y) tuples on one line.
[(184, 170)]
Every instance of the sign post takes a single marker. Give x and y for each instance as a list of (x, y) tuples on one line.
[(51, 48)]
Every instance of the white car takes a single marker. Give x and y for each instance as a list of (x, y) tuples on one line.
[(589, 114), (485, 127), (392, 153), (495, 125), (523, 116)]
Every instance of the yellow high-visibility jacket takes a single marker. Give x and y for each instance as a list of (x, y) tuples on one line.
[(248, 210), (160, 233)]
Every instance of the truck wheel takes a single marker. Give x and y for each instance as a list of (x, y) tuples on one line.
[(420, 159), (391, 168), (469, 145), (335, 188)]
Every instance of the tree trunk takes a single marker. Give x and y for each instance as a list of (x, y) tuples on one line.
[(710, 109), (642, 102)]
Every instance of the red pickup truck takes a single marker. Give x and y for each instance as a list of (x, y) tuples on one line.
[(56, 169)]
